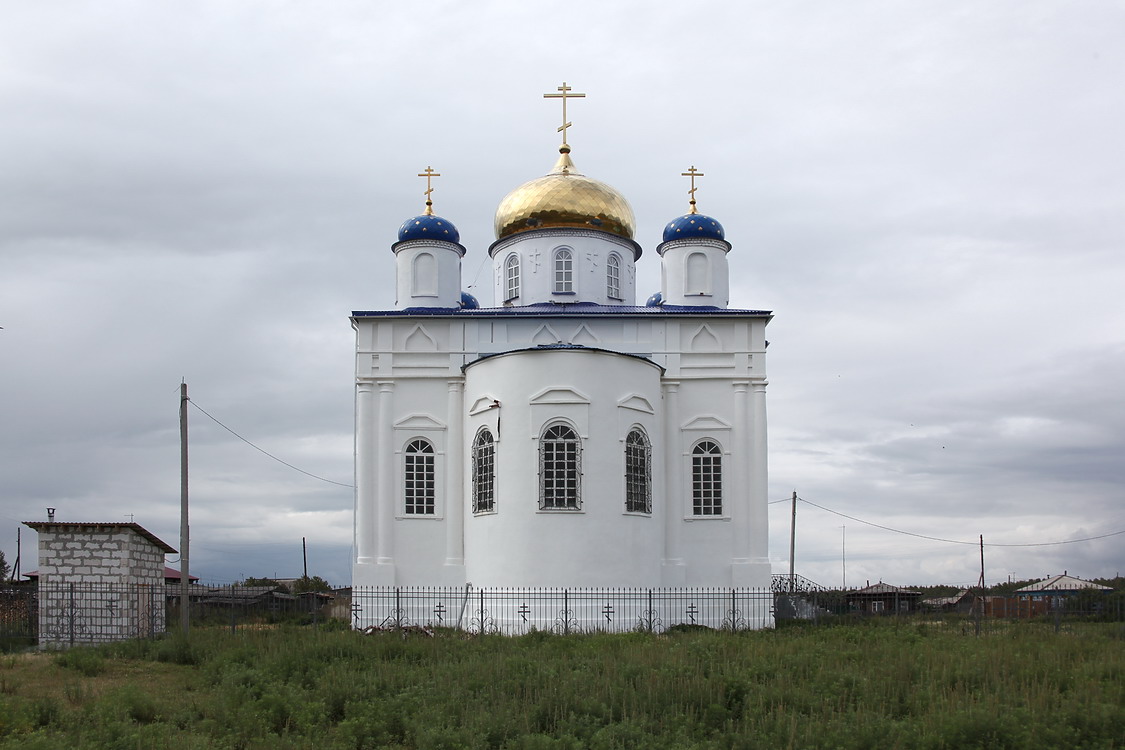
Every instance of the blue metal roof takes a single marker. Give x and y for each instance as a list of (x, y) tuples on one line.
[(552, 309)]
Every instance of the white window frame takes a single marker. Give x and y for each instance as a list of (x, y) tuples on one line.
[(512, 277), (613, 276), (707, 479), (563, 271), (419, 478)]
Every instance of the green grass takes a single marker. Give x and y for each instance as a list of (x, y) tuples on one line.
[(873, 684)]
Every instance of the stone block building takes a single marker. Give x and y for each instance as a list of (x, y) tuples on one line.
[(99, 582)]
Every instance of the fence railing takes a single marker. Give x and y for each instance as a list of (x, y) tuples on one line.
[(513, 611), (60, 614)]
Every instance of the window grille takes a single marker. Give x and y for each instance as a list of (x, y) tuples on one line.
[(564, 271), (638, 473), (419, 478), (707, 479), (560, 469), (512, 277), (613, 277), (484, 473)]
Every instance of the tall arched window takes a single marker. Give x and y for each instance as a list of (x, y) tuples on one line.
[(560, 469), (638, 473), (484, 472), (564, 271), (425, 274), (512, 277), (698, 270), (707, 479), (613, 276), (419, 480)]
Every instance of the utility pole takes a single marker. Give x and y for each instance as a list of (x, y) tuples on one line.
[(185, 574), (843, 558), (305, 557), (793, 545), (980, 587)]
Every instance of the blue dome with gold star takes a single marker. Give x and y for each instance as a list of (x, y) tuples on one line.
[(693, 225), (428, 227)]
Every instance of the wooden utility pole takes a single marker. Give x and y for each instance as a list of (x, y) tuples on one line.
[(185, 570), (793, 545), (980, 587), (305, 558)]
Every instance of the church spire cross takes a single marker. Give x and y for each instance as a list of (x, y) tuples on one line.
[(429, 174), (564, 94), (692, 173)]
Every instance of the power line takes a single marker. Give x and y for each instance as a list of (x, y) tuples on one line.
[(956, 541), (265, 452)]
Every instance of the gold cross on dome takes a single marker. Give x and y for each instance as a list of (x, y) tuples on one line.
[(429, 174), (692, 173), (564, 95)]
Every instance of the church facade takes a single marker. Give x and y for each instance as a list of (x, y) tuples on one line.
[(566, 436)]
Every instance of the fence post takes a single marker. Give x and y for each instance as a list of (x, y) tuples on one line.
[(70, 618), (481, 591), (232, 606)]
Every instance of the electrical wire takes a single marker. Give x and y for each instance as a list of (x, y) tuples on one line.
[(265, 452), (957, 541)]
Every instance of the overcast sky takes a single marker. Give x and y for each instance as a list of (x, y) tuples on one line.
[(930, 197)]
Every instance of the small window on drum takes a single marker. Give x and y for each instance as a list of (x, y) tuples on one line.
[(512, 277), (613, 276), (564, 271)]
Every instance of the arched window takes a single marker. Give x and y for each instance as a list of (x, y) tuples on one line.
[(638, 473), (613, 276), (425, 274), (419, 479), (707, 479), (484, 472), (560, 469), (698, 269), (564, 271), (512, 277)]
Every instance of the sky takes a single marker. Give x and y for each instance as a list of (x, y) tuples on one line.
[(929, 196)]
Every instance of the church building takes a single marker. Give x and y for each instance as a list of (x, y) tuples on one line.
[(564, 436)]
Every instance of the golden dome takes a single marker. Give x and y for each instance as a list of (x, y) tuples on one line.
[(564, 198)]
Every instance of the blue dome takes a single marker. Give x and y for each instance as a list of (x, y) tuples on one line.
[(468, 301), (693, 225), (655, 300), (428, 227)]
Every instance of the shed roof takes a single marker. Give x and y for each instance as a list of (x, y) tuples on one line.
[(101, 526)]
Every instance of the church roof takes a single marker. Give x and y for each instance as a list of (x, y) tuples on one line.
[(552, 309)]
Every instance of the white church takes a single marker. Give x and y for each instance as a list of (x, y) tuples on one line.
[(566, 436)]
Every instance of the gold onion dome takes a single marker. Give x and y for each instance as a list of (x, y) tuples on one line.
[(565, 198)]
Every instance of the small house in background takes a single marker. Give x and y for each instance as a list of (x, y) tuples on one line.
[(99, 582), (883, 598), (1063, 585)]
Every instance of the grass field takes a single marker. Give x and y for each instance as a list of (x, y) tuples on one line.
[(877, 684)]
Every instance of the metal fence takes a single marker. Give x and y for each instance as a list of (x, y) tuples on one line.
[(67, 614), (514, 611)]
